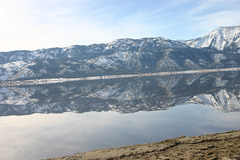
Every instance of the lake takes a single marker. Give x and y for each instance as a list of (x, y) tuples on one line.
[(44, 121)]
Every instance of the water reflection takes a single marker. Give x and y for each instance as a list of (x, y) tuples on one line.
[(218, 90), (39, 136), (35, 135)]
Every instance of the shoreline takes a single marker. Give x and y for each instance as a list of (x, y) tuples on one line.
[(224, 145), (63, 80)]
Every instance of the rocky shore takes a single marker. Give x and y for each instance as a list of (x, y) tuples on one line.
[(224, 146)]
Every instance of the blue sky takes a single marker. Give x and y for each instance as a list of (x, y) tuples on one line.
[(36, 24)]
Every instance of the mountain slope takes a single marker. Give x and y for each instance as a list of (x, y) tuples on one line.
[(124, 56), (81, 52), (120, 63), (221, 39)]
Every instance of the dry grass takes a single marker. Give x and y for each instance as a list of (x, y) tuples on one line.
[(224, 146)]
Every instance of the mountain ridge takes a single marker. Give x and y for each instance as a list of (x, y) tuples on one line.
[(183, 42), (121, 56)]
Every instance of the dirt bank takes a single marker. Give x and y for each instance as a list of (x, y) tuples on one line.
[(224, 146)]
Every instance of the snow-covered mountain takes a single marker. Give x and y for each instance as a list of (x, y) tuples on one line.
[(221, 100), (81, 52), (125, 62), (124, 95), (124, 56), (222, 38)]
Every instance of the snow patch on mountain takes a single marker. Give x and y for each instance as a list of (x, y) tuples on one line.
[(220, 83), (191, 79), (168, 82), (7, 70), (222, 100), (218, 57), (16, 96), (166, 63), (130, 60), (191, 64)]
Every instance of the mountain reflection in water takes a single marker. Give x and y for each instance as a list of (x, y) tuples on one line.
[(218, 90)]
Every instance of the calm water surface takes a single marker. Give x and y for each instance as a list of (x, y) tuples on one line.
[(61, 119)]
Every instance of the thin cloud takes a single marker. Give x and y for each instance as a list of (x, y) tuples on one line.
[(209, 15), (33, 24)]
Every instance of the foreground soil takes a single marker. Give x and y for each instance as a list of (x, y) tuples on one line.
[(224, 146)]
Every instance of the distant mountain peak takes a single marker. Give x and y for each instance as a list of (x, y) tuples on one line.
[(220, 39)]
